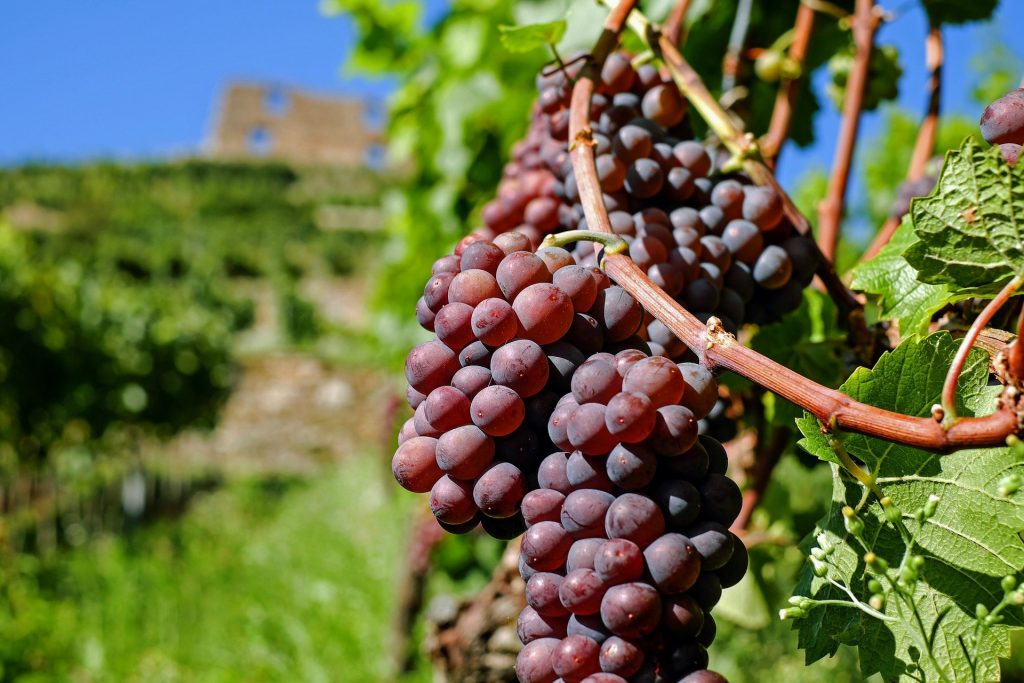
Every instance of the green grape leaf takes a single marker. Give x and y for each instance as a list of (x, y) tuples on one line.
[(971, 227), (808, 341), (896, 289), (532, 36), (958, 11), (968, 546)]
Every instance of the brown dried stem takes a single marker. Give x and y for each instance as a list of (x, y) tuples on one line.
[(830, 210), (737, 37), (720, 350), (785, 101), (768, 456), (676, 22), (925, 143), (953, 376)]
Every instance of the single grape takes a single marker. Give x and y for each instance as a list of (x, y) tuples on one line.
[(703, 676), (675, 431), (657, 378), (707, 591), (494, 321), (595, 381), (744, 240), (644, 178), (542, 594), (558, 425), (708, 632), (587, 431), (471, 380), (762, 206), (583, 512), (564, 359), (464, 452), (424, 316), (518, 271), (582, 552), (475, 354), (545, 546), (733, 570), (701, 389), (773, 268), (473, 286), (631, 610), (482, 256), (446, 264), (575, 658), (679, 501), (451, 501), (532, 626), (664, 105), (446, 408), (581, 591), (718, 458), (635, 518), (632, 142), (520, 365), (693, 157), (578, 285), (533, 663), (714, 543), (435, 292), (721, 499), (620, 656), (1003, 120), (551, 473), (588, 472), (673, 563), (682, 617), (630, 418), (429, 366), (542, 505), (619, 561), (631, 466), (589, 625), (497, 410), (414, 464)]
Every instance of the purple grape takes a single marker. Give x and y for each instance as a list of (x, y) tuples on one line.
[(679, 501), (429, 366), (520, 365), (673, 563), (542, 594), (533, 663), (545, 546), (496, 410), (714, 543), (595, 381), (532, 626), (635, 518), (583, 512), (473, 286), (581, 591), (464, 452), (631, 610), (619, 561), (620, 656), (451, 501), (631, 466), (499, 490), (446, 408), (542, 505), (494, 321), (414, 464), (545, 313)]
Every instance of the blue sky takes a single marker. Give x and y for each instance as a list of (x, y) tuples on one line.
[(138, 78)]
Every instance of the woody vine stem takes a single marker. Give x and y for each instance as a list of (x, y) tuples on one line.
[(713, 345)]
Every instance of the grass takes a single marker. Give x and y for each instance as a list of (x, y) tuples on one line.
[(258, 583)]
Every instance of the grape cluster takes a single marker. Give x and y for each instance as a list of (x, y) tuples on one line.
[(718, 244), (1002, 123), (627, 546), (511, 326)]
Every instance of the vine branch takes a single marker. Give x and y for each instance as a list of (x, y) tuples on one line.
[(720, 350), (926, 134), (953, 376), (676, 21), (737, 37), (785, 101), (830, 210)]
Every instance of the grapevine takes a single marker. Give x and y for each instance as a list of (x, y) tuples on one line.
[(567, 394)]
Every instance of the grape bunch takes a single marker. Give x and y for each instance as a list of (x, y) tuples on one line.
[(718, 244), (1002, 123), (511, 326), (627, 547)]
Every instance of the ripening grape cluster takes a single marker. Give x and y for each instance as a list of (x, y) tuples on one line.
[(627, 547), (511, 327), (718, 244), (1002, 123), (549, 402)]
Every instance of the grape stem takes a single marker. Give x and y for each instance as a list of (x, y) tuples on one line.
[(675, 23), (717, 348), (741, 144), (926, 134), (830, 210), (613, 244), (733, 53), (950, 416), (782, 114)]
